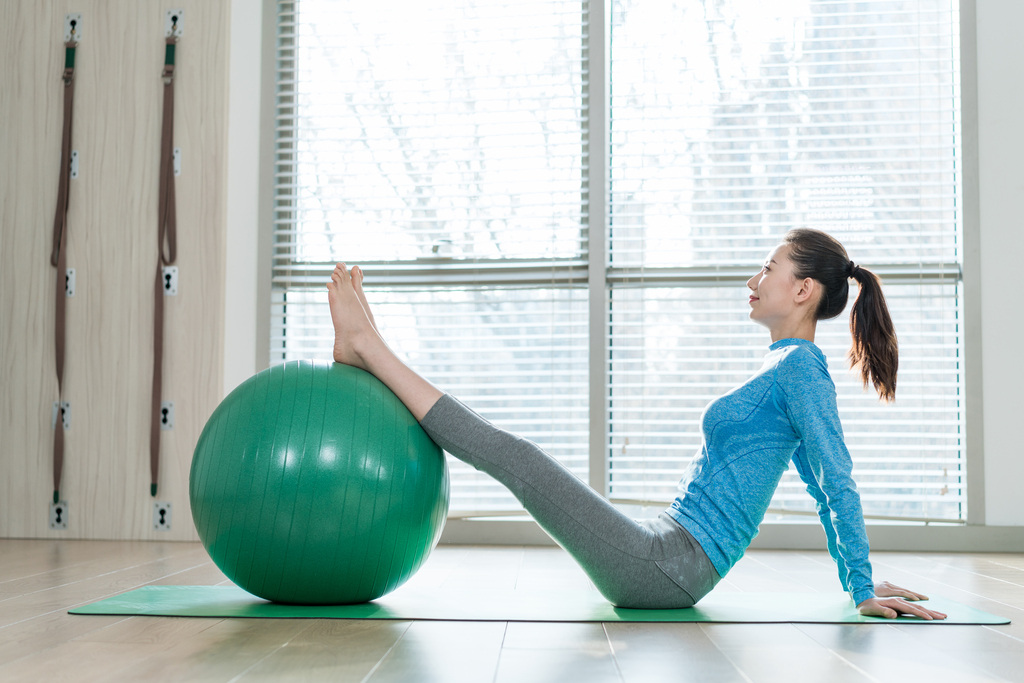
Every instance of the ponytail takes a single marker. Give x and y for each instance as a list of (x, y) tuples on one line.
[(875, 350), (875, 353)]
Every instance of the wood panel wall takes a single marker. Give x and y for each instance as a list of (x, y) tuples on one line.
[(112, 244)]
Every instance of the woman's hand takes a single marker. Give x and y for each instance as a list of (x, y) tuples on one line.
[(890, 608), (884, 589)]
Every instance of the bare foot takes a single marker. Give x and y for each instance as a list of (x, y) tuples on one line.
[(353, 329), (357, 284)]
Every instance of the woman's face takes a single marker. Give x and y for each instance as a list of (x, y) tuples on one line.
[(774, 291)]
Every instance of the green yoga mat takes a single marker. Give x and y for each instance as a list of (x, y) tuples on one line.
[(515, 605)]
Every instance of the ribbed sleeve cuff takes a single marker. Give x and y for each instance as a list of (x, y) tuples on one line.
[(862, 595)]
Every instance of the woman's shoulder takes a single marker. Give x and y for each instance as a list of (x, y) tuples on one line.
[(800, 363)]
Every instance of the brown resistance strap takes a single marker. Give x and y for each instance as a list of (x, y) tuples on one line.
[(59, 257), (167, 233)]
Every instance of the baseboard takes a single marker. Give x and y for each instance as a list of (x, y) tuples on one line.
[(882, 537)]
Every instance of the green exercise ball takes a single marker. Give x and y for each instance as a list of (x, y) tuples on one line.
[(312, 484)]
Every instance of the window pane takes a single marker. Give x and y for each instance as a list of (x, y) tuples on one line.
[(675, 349), (431, 130), (735, 121), (516, 356)]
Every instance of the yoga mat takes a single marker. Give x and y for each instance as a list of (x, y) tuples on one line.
[(479, 604)]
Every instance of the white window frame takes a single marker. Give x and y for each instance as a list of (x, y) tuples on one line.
[(972, 535)]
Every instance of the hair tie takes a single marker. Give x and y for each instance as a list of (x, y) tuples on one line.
[(851, 269)]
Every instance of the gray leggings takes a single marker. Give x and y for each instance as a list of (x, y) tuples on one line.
[(653, 563)]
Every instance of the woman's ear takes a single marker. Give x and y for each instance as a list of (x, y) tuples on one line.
[(807, 291)]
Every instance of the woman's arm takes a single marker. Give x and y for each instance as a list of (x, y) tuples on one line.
[(825, 466), (808, 396), (824, 514), (879, 605)]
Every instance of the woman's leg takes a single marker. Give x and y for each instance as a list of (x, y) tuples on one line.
[(653, 564), (357, 342)]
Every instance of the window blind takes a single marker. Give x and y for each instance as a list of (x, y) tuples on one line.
[(676, 349), (448, 130), (441, 146), (733, 122)]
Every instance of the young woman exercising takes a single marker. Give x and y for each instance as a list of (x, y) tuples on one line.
[(786, 412)]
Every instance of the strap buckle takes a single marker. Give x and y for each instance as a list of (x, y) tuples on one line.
[(168, 72), (69, 61)]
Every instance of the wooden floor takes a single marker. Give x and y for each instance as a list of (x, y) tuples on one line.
[(40, 641)]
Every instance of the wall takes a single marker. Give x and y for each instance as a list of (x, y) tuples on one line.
[(112, 245), (108, 365), (1001, 185), (243, 162)]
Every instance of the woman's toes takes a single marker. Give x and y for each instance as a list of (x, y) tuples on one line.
[(357, 284)]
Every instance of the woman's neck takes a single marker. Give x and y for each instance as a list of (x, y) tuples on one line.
[(803, 329)]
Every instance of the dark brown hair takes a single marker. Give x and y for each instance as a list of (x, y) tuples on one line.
[(821, 257)]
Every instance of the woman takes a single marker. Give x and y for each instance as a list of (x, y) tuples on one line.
[(787, 411)]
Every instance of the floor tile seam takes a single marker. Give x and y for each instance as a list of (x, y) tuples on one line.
[(58, 569), (725, 656), (99, 627), (971, 665), (102, 597), (915, 633), (501, 649), (50, 571), (592, 648), (912, 572), (387, 653), (1001, 564), (452, 565), (985, 674), (188, 644), (37, 574), (611, 649), (850, 664), (986, 576), (519, 567), (788, 577), (117, 544), (209, 623), (262, 659), (931, 557), (729, 582), (1002, 633), (115, 668), (96, 576), (951, 586), (85, 562), (817, 562), (974, 573)]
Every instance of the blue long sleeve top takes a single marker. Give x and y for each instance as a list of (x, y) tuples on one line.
[(786, 412)]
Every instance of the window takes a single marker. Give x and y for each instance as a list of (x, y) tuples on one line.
[(439, 146), (454, 152)]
